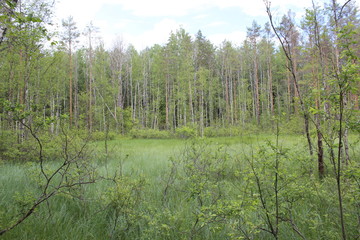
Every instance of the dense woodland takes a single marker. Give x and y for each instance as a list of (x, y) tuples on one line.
[(186, 82), (286, 77)]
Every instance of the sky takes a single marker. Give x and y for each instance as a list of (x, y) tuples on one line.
[(144, 23)]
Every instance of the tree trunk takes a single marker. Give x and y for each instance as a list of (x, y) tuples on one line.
[(293, 73), (167, 124), (70, 86), (257, 95), (270, 82)]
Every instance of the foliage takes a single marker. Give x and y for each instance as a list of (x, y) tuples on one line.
[(55, 99), (10, 150), (203, 190), (222, 132), (102, 136), (122, 202), (71, 170), (150, 134), (185, 132)]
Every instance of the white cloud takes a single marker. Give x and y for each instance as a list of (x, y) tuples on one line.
[(162, 8), (257, 7), (216, 24), (159, 34), (120, 24), (236, 37), (85, 11), (146, 8), (202, 16)]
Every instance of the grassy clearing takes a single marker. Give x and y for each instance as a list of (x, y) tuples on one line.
[(186, 189)]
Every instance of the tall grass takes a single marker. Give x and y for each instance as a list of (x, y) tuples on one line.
[(185, 189)]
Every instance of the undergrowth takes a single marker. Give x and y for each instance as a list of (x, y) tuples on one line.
[(219, 188)]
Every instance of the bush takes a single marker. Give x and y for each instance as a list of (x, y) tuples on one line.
[(52, 145), (294, 125), (7, 139), (185, 132), (101, 136), (149, 134), (11, 150), (223, 131)]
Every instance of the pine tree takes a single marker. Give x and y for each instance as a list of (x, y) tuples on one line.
[(69, 36)]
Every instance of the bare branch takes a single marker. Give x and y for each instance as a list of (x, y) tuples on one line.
[(342, 8), (63, 169)]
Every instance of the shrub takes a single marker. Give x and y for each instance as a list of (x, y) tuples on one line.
[(122, 202), (294, 125), (101, 136), (223, 131), (185, 132), (149, 134), (7, 141), (11, 150)]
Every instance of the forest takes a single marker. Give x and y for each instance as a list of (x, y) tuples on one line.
[(187, 140)]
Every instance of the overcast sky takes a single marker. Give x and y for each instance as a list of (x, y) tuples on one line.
[(145, 23)]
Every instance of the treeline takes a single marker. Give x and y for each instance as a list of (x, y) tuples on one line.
[(53, 93), (186, 82)]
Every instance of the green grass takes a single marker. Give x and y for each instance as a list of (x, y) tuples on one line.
[(211, 195)]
